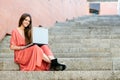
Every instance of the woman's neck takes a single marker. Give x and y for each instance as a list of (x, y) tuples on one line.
[(22, 27)]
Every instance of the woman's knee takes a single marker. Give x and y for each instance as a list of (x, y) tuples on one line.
[(36, 47)]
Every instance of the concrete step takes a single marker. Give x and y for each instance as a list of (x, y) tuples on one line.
[(78, 29), (87, 43), (98, 23), (77, 26), (104, 17), (102, 32), (81, 28), (98, 20), (82, 54), (86, 36), (55, 41), (88, 23), (87, 52), (6, 50), (62, 24), (60, 75), (65, 50), (78, 43), (73, 64), (82, 36), (73, 54), (86, 29), (75, 37), (91, 22), (78, 50)]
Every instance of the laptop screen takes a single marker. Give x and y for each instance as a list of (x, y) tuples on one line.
[(39, 35)]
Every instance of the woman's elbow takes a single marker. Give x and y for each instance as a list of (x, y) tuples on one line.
[(11, 47)]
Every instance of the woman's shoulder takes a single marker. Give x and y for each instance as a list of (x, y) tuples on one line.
[(14, 30)]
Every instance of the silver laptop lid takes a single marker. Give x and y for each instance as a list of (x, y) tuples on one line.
[(39, 35)]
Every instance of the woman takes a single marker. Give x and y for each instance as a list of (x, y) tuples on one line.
[(33, 58)]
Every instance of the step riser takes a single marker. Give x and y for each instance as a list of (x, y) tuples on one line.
[(90, 23), (65, 50), (83, 53), (76, 38), (82, 43), (90, 42), (72, 55), (97, 24), (72, 64), (58, 75)]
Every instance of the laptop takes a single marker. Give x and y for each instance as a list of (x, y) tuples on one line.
[(39, 36)]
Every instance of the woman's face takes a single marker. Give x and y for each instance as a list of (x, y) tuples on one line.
[(26, 21)]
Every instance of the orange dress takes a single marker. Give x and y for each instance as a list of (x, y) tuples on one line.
[(31, 58)]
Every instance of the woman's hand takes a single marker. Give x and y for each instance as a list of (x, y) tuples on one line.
[(13, 47), (22, 47)]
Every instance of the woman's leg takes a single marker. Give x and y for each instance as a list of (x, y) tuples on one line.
[(54, 63), (48, 52), (36, 59), (46, 58)]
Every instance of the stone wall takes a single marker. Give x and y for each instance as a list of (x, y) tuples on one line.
[(44, 12), (47, 12)]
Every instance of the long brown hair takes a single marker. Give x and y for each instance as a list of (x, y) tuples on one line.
[(27, 30)]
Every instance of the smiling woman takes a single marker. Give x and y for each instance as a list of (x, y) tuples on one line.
[(35, 57), (25, 24)]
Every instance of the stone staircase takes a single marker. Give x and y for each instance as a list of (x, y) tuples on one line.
[(88, 45)]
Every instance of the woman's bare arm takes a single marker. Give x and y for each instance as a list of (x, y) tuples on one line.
[(13, 47)]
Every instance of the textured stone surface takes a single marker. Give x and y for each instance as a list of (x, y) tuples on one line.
[(91, 52), (58, 75), (73, 64)]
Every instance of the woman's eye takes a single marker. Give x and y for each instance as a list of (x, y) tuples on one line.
[(27, 20)]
